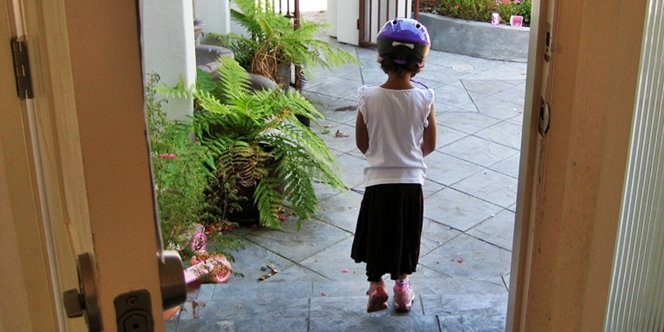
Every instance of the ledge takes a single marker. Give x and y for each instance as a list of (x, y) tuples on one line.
[(477, 39)]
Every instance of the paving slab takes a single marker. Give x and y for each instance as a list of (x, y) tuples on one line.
[(294, 245), (447, 135), (335, 263), (509, 166), (505, 133), (453, 97), (341, 210), (470, 258), (483, 88), (447, 170), (431, 282), (442, 73), (249, 260), (503, 110), (340, 87), (457, 209), (466, 122), (479, 151), (352, 168), (340, 138), (490, 186), (497, 230), (434, 235)]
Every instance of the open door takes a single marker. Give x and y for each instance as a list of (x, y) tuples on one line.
[(583, 68), (76, 207)]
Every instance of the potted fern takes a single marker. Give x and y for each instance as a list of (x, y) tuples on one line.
[(273, 43), (264, 155)]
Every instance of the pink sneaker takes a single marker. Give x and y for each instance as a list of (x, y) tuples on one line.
[(403, 296), (377, 297)]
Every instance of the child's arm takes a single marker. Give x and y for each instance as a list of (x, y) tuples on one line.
[(361, 134), (430, 134)]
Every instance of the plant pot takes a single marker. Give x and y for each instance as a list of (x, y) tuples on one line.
[(516, 20), (496, 42), (284, 74), (248, 213)]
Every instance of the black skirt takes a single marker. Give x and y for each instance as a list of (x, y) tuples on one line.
[(389, 228)]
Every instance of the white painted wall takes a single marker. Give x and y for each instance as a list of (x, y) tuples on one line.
[(331, 15), (347, 14), (168, 48), (313, 5)]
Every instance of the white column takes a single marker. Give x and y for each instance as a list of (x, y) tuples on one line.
[(168, 48), (216, 15)]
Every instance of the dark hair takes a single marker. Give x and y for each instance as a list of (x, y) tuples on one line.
[(399, 65)]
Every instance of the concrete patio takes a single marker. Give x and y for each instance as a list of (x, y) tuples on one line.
[(463, 274)]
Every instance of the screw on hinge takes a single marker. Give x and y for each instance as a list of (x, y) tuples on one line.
[(21, 68)]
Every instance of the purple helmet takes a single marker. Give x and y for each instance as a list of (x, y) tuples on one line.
[(404, 39)]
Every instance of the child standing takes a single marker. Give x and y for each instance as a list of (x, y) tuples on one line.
[(395, 130)]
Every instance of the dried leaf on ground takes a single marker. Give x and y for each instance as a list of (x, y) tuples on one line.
[(340, 133)]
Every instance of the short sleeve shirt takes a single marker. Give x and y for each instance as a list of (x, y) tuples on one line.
[(395, 121)]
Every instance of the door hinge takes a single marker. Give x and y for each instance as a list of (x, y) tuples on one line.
[(548, 40), (544, 117), (21, 67)]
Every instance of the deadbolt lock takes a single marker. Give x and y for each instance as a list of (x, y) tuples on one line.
[(83, 301)]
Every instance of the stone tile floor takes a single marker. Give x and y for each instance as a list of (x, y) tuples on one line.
[(463, 274)]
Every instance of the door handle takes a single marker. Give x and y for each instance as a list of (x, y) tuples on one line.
[(83, 301), (171, 278)]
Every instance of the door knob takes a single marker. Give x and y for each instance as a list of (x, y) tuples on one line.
[(171, 277), (83, 301)]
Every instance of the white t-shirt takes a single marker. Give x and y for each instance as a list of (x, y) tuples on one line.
[(395, 121)]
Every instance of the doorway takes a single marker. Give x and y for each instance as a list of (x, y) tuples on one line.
[(471, 199), (547, 284)]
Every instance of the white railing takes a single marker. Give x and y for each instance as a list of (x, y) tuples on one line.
[(374, 13)]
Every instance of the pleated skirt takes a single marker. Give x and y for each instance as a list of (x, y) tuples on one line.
[(389, 229)]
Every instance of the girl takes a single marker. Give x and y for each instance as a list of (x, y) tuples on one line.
[(395, 129)]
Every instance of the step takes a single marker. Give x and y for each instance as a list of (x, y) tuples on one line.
[(333, 306)]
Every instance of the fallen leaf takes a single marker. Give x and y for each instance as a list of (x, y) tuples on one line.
[(340, 133)]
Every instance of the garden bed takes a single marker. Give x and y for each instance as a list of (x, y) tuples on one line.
[(477, 39)]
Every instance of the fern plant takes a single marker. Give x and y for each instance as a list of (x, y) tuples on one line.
[(273, 41), (262, 152), (180, 171)]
